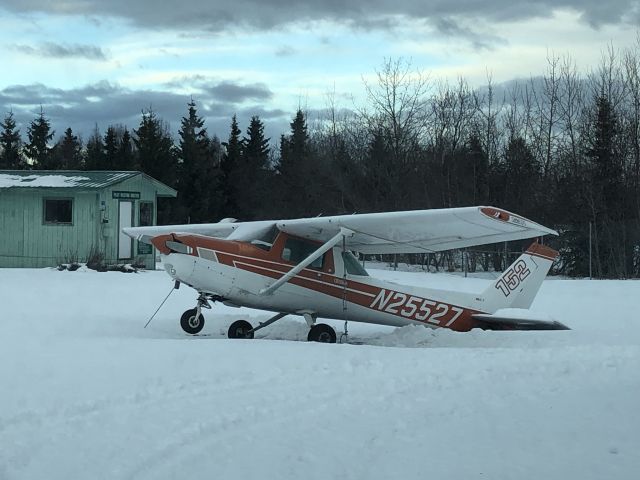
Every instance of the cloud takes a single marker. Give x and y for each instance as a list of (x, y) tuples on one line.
[(225, 90), (368, 14), (285, 51), (56, 50), (106, 103), (449, 27), (238, 93)]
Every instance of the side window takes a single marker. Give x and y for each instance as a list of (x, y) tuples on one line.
[(58, 211), (296, 250), (352, 265), (146, 214)]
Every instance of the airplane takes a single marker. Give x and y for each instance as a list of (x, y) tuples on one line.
[(307, 267)]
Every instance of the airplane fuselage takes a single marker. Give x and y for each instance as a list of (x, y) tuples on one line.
[(238, 271)]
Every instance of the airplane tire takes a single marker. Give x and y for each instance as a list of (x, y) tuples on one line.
[(322, 333), (239, 328), (190, 323)]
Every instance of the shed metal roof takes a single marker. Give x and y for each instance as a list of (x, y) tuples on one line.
[(78, 179)]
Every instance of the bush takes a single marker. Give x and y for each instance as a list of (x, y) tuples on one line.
[(95, 260)]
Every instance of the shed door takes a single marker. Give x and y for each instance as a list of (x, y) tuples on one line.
[(124, 221)]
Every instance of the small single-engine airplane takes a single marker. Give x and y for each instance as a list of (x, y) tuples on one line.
[(306, 267)]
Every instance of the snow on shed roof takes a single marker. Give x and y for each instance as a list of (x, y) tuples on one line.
[(71, 179), (60, 178)]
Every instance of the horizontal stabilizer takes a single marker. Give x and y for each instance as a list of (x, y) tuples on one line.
[(493, 322)]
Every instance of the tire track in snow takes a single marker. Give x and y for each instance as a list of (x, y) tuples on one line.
[(203, 433), (37, 428), (198, 440)]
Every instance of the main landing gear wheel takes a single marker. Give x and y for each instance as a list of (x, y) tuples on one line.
[(323, 333), (191, 323), (240, 329)]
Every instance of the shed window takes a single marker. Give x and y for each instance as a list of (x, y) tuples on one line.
[(58, 210), (146, 214)]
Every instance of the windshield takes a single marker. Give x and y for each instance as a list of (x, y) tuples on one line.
[(352, 265)]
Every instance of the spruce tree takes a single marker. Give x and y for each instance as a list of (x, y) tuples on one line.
[(156, 157), (68, 151), (111, 147), (255, 145), (231, 179), (38, 150), (95, 151), (10, 144), (605, 162), (294, 168), (377, 171), (125, 156), (606, 197), (480, 166), (196, 178), (254, 171), (155, 148), (522, 179)]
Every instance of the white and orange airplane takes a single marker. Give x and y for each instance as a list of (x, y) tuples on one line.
[(307, 267)]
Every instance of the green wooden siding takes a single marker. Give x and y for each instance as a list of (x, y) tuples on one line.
[(31, 242), (26, 241)]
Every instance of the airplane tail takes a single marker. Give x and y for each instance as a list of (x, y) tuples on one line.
[(519, 284)]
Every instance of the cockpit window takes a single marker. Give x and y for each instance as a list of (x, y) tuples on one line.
[(352, 265), (265, 241), (296, 250)]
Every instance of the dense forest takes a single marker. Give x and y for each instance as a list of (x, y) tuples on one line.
[(562, 149)]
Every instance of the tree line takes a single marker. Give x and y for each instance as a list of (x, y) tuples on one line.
[(562, 149)]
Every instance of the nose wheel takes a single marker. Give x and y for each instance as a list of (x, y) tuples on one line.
[(192, 321)]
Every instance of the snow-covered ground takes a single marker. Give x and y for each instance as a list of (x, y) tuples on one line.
[(86, 392)]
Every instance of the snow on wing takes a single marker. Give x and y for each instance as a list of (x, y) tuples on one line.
[(245, 231), (419, 231), (221, 230)]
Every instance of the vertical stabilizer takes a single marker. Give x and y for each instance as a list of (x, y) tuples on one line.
[(519, 284)]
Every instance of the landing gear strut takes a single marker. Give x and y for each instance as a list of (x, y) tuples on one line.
[(243, 329)]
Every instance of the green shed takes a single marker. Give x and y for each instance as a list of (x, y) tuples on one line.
[(51, 216)]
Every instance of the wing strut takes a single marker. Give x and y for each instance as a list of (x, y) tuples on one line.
[(344, 232)]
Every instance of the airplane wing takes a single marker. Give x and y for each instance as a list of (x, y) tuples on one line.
[(414, 231), (419, 231)]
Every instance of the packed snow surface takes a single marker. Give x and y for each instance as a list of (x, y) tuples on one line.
[(87, 392)]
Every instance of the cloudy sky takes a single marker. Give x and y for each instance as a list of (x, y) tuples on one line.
[(88, 61)]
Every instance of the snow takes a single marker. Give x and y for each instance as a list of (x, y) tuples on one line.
[(86, 392), (7, 181)]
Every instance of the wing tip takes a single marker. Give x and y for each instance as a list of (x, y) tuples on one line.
[(508, 217)]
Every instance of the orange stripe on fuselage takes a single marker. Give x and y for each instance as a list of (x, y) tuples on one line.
[(248, 257), (398, 303)]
